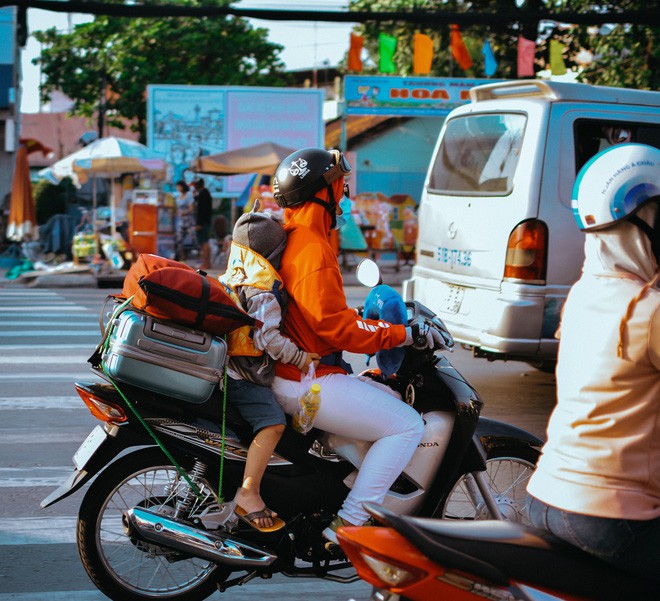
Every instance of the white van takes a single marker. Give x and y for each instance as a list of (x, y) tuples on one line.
[(498, 249)]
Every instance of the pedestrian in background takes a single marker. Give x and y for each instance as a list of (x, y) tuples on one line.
[(204, 212), (185, 221)]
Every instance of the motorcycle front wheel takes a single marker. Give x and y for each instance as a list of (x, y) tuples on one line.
[(507, 472), (127, 569)]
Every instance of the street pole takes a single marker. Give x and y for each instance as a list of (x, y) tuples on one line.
[(101, 115)]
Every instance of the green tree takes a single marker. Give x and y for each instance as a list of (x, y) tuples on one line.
[(623, 56), (51, 199), (107, 63)]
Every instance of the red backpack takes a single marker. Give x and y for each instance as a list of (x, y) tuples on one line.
[(175, 292)]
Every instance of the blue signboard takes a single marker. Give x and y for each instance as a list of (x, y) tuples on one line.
[(185, 122), (6, 55), (406, 96)]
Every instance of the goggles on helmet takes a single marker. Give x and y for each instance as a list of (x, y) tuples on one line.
[(341, 168), (341, 162)]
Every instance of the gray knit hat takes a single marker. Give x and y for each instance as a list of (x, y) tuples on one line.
[(262, 233)]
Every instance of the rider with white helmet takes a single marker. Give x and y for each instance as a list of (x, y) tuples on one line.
[(597, 484), (614, 184)]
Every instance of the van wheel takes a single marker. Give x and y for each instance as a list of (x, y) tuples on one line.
[(547, 367)]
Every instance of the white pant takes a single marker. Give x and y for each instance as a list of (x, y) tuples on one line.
[(359, 410)]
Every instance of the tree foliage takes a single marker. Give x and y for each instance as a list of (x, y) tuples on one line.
[(51, 199), (108, 62), (626, 56)]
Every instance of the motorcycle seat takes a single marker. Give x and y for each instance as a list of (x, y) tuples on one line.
[(208, 414), (501, 551)]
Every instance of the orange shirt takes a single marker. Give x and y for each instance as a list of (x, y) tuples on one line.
[(318, 319)]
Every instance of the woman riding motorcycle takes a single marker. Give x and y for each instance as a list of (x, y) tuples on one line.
[(597, 484), (309, 184)]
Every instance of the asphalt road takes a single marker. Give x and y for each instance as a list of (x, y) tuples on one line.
[(46, 335)]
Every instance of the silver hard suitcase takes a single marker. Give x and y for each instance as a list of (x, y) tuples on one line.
[(163, 357)]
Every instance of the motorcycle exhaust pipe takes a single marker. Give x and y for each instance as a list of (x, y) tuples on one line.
[(169, 532)]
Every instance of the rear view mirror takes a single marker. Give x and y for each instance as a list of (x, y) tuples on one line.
[(368, 273)]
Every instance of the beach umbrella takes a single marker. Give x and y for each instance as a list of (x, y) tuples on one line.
[(261, 158), (22, 223), (108, 158)]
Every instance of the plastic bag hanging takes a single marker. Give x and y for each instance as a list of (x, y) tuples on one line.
[(309, 402)]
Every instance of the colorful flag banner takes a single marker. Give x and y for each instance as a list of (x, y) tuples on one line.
[(490, 64), (526, 51), (557, 65), (459, 49), (354, 53), (422, 54), (386, 47)]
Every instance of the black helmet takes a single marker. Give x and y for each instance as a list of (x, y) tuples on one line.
[(305, 172)]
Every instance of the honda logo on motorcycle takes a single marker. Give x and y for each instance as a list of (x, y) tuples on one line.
[(410, 394)]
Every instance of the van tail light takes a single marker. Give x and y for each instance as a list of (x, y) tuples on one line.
[(102, 409), (527, 253)]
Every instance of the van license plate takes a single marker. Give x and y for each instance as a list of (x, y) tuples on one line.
[(453, 299), (87, 449)]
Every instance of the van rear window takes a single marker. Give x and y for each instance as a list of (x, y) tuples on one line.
[(478, 155)]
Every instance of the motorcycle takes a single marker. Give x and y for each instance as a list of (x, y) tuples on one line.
[(421, 559), (154, 523)]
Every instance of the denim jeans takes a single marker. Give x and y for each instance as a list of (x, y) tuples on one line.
[(631, 545)]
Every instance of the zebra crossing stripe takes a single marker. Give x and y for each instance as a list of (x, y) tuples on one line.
[(51, 477), (37, 531), (40, 402)]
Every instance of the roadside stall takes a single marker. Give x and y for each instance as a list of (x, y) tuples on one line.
[(111, 158)]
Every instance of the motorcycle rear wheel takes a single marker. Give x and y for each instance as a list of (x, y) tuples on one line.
[(124, 568), (507, 471)]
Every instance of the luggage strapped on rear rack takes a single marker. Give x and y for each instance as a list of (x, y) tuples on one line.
[(171, 294), (97, 361)]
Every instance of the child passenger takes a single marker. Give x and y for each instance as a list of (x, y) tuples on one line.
[(257, 243)]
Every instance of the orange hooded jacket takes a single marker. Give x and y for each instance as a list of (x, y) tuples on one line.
[(318, 319)]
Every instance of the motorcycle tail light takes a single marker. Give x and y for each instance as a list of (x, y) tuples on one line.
[(526, 253), (376, 568), (101, 409), (391, 574)]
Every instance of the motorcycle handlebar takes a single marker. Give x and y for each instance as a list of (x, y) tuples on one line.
[(418, 312)]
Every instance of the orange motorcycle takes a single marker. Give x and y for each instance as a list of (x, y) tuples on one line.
[(423, 559)]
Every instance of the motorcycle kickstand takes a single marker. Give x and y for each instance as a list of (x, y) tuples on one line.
[(486, 494), (224, 585)]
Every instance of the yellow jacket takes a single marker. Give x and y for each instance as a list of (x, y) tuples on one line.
[(247, 269)]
